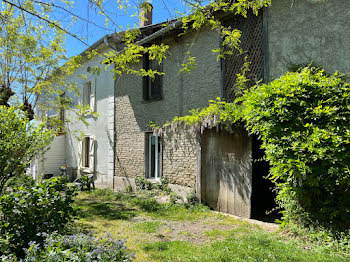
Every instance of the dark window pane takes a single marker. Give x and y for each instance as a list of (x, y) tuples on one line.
[(86, 151), (153, 156), (152, 88)]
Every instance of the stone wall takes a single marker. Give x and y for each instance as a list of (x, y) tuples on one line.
[(180, 158), (181, 92), (305, 31)]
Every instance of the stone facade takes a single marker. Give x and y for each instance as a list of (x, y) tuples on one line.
[(180, 93), (180, 158)]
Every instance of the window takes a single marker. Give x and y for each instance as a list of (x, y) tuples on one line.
[(152, 88), (153, 156), (87, 94), (87, 153)]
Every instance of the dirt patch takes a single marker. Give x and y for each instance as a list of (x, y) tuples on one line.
[(271, 227), (205, 230), (193, 231)]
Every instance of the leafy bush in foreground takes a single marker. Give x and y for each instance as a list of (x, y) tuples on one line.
[(303, 121), (20, 142), (33, 208), (77, 247)]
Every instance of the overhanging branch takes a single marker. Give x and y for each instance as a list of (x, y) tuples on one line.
[(45, 20)]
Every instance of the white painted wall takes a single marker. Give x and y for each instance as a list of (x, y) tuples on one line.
[(101, 127), (52, 160)]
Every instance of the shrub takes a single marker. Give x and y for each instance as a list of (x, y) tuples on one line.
[(20, 142), (192, 199), (78, 247), (303, 121), (174, 198), (143, 184), (33, 208), (164, 185), (128, 189)]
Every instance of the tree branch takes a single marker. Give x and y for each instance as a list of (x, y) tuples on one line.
[(71, 13), (45, 20)]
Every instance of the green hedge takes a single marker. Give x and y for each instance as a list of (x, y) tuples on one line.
[(303, 119)]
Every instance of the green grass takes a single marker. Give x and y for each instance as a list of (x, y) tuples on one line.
[(165, 232), (257, 246), (148, 226)]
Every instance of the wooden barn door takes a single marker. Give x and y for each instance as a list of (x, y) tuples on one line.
[(226, 171)]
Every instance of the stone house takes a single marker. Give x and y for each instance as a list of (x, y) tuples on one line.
[(189, 161), (119, 145)]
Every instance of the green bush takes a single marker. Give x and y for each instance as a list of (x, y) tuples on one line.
[(192, 199), (77, 247), (33, 208), (174, 198), (20, 141), (143, 184), (128, 189), (303, 121), (164, 185)]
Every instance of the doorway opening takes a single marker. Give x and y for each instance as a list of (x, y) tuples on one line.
[(263, 204)]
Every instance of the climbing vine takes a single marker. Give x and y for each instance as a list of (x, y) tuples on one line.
[(219, 114), (124, 61), (302, 120)]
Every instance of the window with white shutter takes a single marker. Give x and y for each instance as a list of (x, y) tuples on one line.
[(87, 153)]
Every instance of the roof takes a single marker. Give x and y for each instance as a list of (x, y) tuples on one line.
[(148, 34), (111, 40)]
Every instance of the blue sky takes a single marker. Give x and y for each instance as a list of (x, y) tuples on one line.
[(91, 32)]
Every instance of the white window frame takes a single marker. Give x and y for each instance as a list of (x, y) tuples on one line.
[(90, 166), (90, 97), (157, 156), (86, 93)]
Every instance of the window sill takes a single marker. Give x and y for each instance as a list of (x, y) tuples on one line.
[(152, 100), (86, 170), (153, 180)]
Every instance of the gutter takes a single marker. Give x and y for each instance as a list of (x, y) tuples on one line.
[(159, 33), (102, 40), (105, 40), (167, 29)]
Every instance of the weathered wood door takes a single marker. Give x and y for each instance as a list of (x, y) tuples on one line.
[(226, 171)]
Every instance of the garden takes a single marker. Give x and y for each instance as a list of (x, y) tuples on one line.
[(50, 221), (302, 120)]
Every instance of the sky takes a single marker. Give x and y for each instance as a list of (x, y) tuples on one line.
[(92, 31)]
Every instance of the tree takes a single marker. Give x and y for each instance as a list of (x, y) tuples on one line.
[(27, 61), (31, 54), (20, 141)]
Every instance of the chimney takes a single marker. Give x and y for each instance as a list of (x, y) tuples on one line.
[(145, 14)]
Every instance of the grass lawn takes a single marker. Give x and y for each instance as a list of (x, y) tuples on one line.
[(165, 232)]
